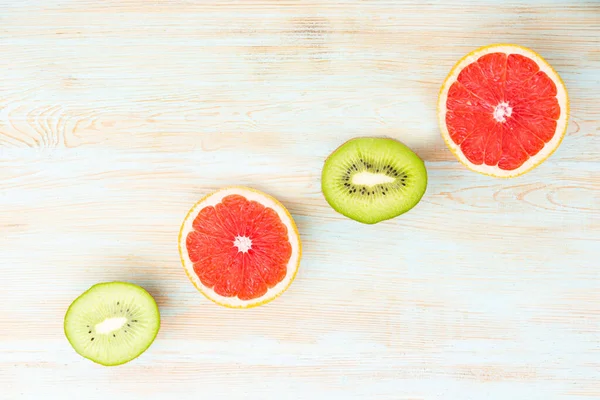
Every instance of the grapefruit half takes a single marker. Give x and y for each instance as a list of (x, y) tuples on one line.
[(240, 247), (503, 110)]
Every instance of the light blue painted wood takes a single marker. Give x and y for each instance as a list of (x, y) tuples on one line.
[(116, 117)]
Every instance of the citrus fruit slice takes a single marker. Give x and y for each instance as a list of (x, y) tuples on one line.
[(503, 110), (240, 247)]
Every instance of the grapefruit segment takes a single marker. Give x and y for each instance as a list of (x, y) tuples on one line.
[(253, 285), (503, 110), (485, 78), (475, 144), (209, 224), (462, 100), (493, 147), (519, 68), (471, 79), (513, 153), (542, 127), (231, 276), (240, 247), (459, 128), (207, 273), (541, 107), (528, 140), (473, 147), (538, 87)]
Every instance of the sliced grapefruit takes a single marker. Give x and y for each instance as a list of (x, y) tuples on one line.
[(503, 110), (240, 247)]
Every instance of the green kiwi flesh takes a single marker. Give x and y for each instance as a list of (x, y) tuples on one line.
[(112, 323), (373, 179)]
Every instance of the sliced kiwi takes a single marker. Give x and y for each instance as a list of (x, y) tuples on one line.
[(373, 179), (112, 323)]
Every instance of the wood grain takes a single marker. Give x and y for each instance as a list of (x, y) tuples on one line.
[(116, 116)]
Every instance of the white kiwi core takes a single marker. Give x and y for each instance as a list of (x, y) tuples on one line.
[(110, 325), (371, 179)]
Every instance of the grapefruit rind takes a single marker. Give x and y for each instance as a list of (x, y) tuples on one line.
[(267, 201), (561, 123)]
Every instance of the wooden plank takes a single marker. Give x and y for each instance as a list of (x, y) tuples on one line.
[(116, 116), (254, 75), (476, 285)]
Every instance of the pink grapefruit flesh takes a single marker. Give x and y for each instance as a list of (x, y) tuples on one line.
[(503, 110), (240, 247)]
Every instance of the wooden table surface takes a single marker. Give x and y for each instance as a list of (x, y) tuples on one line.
[(116, 116)]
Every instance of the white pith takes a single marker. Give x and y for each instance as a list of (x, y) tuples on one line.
[(548, 148), (266, 201), (110, 325), (370, 179), (502, 111), (243, 243)]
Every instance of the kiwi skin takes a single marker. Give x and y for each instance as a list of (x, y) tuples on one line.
[(97, 285), (373, 206)]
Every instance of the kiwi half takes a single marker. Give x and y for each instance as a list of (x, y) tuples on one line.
[(373, 179), (112, 323)]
